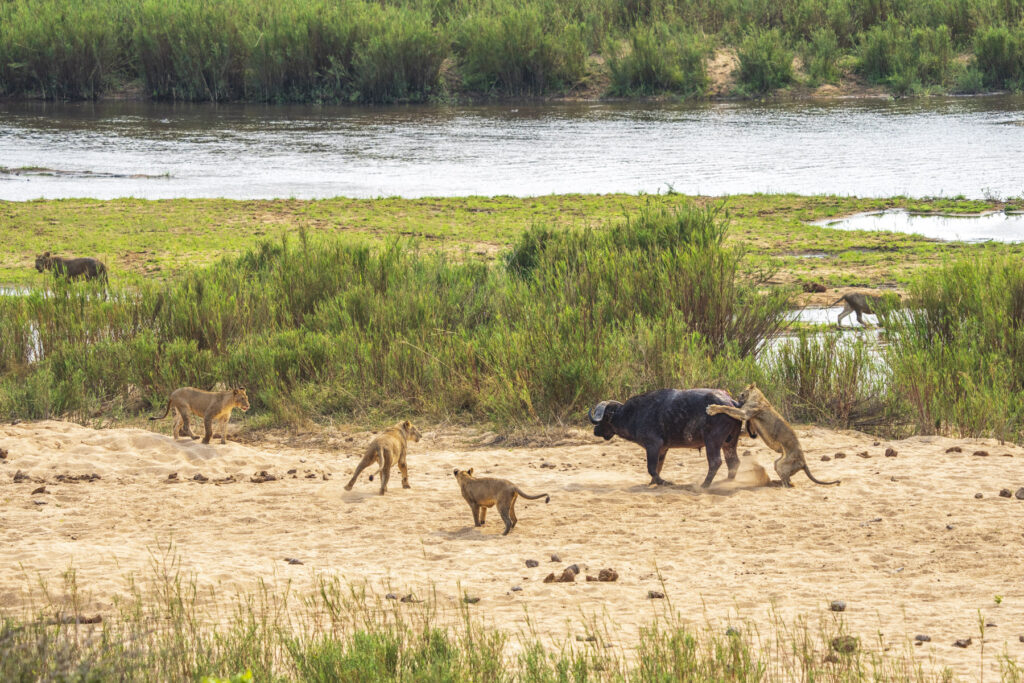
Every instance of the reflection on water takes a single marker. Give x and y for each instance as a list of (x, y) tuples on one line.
[(998, 226), (829, 316), (940, 146)]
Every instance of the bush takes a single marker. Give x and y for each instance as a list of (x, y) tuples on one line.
[(662, 58), (999, 52), (60, 50), (765, 62), (821, 56), (906, 59), (519, 50)]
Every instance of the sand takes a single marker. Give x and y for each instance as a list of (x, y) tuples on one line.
[(903, 541)]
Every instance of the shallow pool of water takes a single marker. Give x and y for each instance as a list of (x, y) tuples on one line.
[(998, 226), (829, 316)]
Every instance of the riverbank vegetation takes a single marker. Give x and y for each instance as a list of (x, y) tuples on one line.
[(319, 324), (414, 51), (346, 633)]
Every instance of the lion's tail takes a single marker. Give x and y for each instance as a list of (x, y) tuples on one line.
[(165, 412), (546, 497), (816, 481)]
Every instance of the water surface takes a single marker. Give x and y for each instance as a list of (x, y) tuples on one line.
[(996, 226), (929, 147)]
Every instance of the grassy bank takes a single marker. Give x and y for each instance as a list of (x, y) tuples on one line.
[(407, 50), (345, 633), (142, 239)]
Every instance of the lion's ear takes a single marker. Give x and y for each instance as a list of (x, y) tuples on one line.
[(407, 424), (470, 471), (45, 254), (235, 392), (456, 471)]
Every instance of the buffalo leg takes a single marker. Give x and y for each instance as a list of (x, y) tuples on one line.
[(714, 461), (656, 456), (732, 460)]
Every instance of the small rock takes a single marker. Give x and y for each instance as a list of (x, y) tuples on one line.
[(292, 471), (391, 596), (410, 598), (1005, 493), (41, 489), (20, 476), (844, 644), (516, 589), (574, 568), (922, 638), (532, 563), (548, 465), (470, 601), (877, 443), (954, 449), (732, 632), (839, 456), (591, 578), (608, 575), (200, 478), (830, 658), (813, 287), (978, 495), (39, 502), (262, 476), (292, 560), (826, 458), (949, 527), (990, 624), (326, 476), (747, 454), (172, 476), (568, 576), (550, 578), (837, 606), (1020, 638), (864, 454), (981, 454), (586, 639), (1020, 493), (555, 557), (891, 452), (962, 642), (311, 475), (3, 453), (655, 595), (1007, 455)]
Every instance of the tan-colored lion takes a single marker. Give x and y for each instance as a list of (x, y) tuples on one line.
[(487, 491), (387, 448), (764, 421), (212, 406)]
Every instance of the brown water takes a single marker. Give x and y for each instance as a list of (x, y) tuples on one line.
[(941, 146)]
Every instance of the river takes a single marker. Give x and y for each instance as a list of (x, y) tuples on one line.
[(948, 146)]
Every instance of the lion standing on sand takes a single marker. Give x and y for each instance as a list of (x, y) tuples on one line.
[(387, 448), (212, 406)]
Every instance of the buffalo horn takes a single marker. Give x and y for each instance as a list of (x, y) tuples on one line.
[(597, 413)]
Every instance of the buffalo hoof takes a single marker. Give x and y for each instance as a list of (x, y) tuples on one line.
[(658, 481)]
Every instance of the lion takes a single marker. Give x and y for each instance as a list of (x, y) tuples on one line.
[(387, 448), (858, 303), (212, 406), (72, 268), (484, 492), (764, 421)]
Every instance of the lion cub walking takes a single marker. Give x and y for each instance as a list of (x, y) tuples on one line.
[(486, 492), (212, 406), (764, 421), (386, 449)]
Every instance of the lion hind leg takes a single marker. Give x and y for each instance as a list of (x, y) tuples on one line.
[(385, 471), (367, 460), (503, 509)]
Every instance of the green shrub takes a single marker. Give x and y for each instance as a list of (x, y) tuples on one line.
[(661, 58), (765, 62), (821, 56), (60, 50), (519, 50), (906, 59), (999, 52)]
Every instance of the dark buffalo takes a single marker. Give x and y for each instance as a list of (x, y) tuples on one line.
[(670, 418), (72, 268)]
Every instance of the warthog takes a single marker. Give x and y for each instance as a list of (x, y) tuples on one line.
[(670, 418), (72, 268)]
